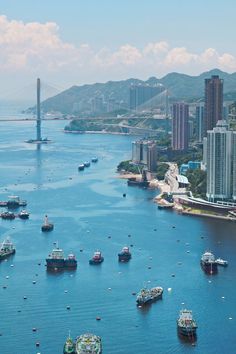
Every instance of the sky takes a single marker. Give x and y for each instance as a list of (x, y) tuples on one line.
[(75, 42)]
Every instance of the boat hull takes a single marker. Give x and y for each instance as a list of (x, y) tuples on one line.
[(96, 262), (70, 264), (47, 228), (141, 302), (55, 264), (187, 331), (124, 257), (209, 267), (7, 254)]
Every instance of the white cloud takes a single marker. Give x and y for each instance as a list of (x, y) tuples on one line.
[(34, 48)]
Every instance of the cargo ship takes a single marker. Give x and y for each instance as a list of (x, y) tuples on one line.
[(208, 263), (47, 226), (97, 258), (6, 249), (56, 260), (186, 325), (124, 255), (149, 295), (88, 344)]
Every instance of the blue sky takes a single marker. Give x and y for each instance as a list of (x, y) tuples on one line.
[(115, 39)]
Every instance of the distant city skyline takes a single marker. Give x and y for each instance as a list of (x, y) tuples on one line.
[(85, 41)]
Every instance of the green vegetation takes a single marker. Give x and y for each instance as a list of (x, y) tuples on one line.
[(128, 166), (162, 168), (197, 179)]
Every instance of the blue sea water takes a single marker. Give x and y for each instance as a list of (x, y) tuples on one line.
[(90, 213)]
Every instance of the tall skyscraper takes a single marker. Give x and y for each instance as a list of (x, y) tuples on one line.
[(219, 162), (145, 152), (234, 166), (180, 129), (200, 122), (213, 102)]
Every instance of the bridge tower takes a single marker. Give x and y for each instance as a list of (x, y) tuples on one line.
[(38, 128)]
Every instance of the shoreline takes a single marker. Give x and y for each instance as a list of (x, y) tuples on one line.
[(93, 132)]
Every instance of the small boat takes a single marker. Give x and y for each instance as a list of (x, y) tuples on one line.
[(222, 262), (81, 167), (47, 226), (69, 347), (23, 214), (94, 159), (149, 295), (124, 255), (186, 325), (71, 261), (208, 263), (97, 258), (8, 215), (6, 249), (86, 164), (88, 344)]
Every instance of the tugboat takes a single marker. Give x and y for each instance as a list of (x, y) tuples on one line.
[(186, 325), (56, 259), (124, 255), (94, 159), (47, 226), (208, 263), (81, 167), (8, 215), (222, 262), (97, 258), (149, 295), (7, 248), (69, 347), (23, 214), (86, 164), (88, 344), (71, 261)]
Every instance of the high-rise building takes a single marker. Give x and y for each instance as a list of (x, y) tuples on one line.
[(213, 102), (219, 162), (200, 122), (234, 166), (144, 96), (180, 129), (152, 157), (145, 152)]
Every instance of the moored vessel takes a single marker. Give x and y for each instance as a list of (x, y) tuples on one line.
[(47, 226), (208, 263), (149, 295), (88, 344), (8, 215), (124, 255), (23, 214), (222, 262), (94, 159), (69, 346), (81, 167), (70, 261), (56, 259), (86, 164), (15, 202), (6, 249), (97, 258), (186, 325)]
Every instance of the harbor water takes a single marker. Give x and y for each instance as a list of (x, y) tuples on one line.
[(90, 213)]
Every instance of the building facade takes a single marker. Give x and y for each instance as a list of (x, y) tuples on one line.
[(200, 122), (145, 152), (213, 109), (219, 163), (180, 127)]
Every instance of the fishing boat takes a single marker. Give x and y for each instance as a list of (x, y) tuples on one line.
[(8, 215), (88, 344), (69, 346), (222, 262), (86, 164), (124, 255), (47, 226), (97, 258), (149, 295), (23, 214), (94, 159), (6, 249), (208, 263), (186, 325), (81, 167)]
